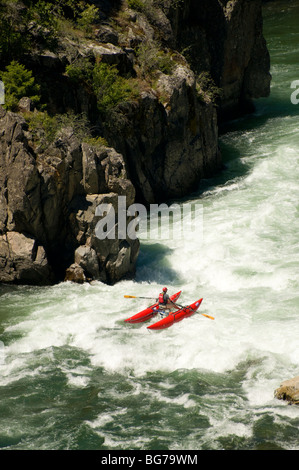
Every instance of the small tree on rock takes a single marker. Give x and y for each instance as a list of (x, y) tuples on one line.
[(19, 82)]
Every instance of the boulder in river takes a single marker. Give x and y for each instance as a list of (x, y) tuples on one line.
[(289, 390)]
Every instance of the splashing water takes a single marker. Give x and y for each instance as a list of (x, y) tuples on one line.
[(75, 376)]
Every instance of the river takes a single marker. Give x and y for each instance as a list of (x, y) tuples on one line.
[(73, 375)]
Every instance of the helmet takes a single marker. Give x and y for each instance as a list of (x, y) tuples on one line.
[(164, 289)]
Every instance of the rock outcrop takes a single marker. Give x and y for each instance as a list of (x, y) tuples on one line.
[(169, 136), (168, 146), (289, 391), (226, 39), (170, 140), (23, 260), (48, 208)]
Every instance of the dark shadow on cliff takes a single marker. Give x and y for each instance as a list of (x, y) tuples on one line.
[(266, 109), (61, 245), (233, 167), (152, 265)]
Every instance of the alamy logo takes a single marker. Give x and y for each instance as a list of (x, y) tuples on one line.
[(158, 222), (294, 95), (2, 356), (2, 93)]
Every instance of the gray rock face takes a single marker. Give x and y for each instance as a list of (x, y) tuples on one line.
[(226, 39), (23, 260), (86, 257), (48, 208), (169, 139)]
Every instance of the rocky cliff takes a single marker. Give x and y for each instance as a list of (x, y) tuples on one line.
[(225, 38), (48, 208), (179, 67)]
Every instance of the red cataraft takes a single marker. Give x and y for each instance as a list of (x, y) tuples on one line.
[(149, 312), (177, 316)]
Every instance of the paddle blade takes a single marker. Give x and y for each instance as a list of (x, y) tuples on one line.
[(130, 296), (208, 316)]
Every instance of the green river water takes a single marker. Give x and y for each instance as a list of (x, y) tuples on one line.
[(73, 375)]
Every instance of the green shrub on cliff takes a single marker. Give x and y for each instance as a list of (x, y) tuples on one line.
[(26, 24), (206, 88), (137, 5), (45, 128), (104, 81), (13, 39), (110, 88), (80, 71), (65, 16), (152, 59), (19, 82), (88, 17)]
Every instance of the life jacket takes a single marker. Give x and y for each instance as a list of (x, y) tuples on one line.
[(162, 299)]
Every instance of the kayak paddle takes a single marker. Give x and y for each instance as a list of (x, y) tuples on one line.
[(204, 314), (137, 297)]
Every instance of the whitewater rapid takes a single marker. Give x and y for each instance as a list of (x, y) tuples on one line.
[(201, 384)]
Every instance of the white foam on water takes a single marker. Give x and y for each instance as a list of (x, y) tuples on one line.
[(246, 269)]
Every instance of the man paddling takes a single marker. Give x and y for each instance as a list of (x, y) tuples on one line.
[(165, 303)]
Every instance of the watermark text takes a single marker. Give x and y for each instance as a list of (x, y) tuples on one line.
[(158, 222), (2, 353), (295, 94), (2, 93)]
